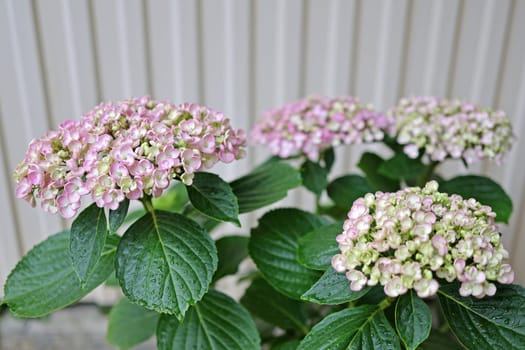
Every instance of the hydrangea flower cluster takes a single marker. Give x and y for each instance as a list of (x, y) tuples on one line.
[(124, 150), (408, 239), (313, 124), (450, 128)]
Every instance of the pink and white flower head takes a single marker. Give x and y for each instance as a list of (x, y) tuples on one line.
[(314, 124), (394, 240), (449, 129), (124, 150)]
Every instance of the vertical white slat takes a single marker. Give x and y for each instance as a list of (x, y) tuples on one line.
[(514, 176), (381, 40), (319, 29), (278, 61), (330, 35), (238, 104), (225, 47), (511, 98), (430, 47), (510, 48), (65, 38), (23, 110), (10, 249), (479, 51), (380, 48), (264, 63), (121, 48), (174, 29), (215, 42), (213, 52), (341, 25)]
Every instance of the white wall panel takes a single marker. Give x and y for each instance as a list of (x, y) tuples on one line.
[(59, 58)]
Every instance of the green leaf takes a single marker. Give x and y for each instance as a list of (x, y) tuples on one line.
[(217, 322), (401, 167), (376, 333), (332, 288), (375, 295), (165, 262), (174, 200), (316, 248), (314, 177), (232, 250), (214, 197), (271, 306), (287, 345), (45, 281), (440, 341), (369, 164), (329, 158), (88, 235), (413, 320), (485, 190), (346, 189), (362, 327), (265, 185), (496, 322), (130, 324), (273, 245), (117, 217)]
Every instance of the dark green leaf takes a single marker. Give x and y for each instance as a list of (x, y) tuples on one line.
[(45, 281), (375, 295), (314, 177), (217, 322), (287, 345), (232, 250), (214, 197), (265, 185), (88, 235), (174, 200), (362, 327), (496, 322), (369, 164), (273, 245), (346, 189), (316, 248), (333, 288), (271, 306), (130, 324), (117, 217), (329, 158), (376, 333), (440, 341), (413, 320), (485, 190), (165, 263), (401, 167)]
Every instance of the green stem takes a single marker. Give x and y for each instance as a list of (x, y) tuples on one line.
[(148, 205), (427, 174), (444, 328), (385, 303), (318, 206)]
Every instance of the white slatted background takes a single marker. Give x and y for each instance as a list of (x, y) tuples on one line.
[(59, 58)]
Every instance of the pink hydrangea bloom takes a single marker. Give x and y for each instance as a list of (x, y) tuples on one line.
[(449, 129), (314, 124), (124, 150), (409, 239)]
